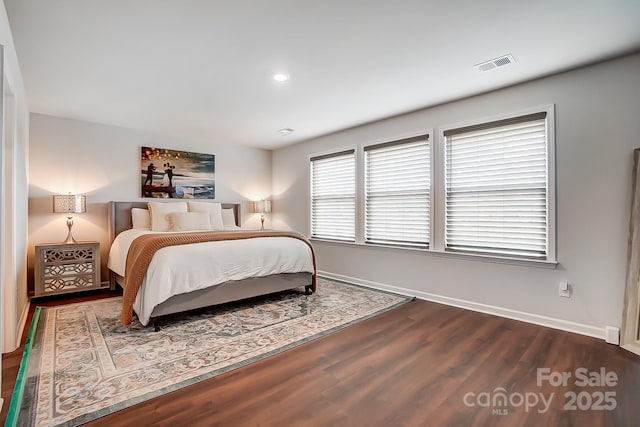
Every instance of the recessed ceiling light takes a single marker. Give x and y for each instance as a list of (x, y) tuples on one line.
[(286, 131), (281, 77)]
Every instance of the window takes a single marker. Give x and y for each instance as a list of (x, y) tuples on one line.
[(496, 188), (333, 196), (397, 192), (483, 190)]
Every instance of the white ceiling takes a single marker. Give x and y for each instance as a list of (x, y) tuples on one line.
[(202, 69)]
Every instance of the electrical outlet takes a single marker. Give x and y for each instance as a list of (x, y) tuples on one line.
[(564, 289)]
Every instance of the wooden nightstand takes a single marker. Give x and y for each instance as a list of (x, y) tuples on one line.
[(67, 267)]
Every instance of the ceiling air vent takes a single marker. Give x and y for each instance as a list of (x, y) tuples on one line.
[(495, 63)]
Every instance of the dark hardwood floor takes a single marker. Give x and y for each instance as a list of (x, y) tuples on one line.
[(422, 364)]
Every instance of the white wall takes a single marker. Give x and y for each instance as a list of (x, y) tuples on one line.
[(597, 127), (15, 149), (103, 162)]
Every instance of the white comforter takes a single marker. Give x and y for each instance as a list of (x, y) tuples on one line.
[(179, 269)]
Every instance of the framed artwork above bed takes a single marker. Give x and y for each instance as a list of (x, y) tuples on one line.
[(177, 174)]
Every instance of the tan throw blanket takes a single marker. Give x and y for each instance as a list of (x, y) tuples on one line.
[(144, 247)]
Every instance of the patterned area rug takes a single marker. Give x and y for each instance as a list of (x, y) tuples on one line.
[(80, 363)]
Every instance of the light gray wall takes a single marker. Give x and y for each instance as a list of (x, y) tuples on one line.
[(597, 127), (15, 151), (103, 162)]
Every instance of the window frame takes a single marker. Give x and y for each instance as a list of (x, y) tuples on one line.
[(550, 193), (332, 153), (422, 136)]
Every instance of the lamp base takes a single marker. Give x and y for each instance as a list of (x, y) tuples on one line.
[(262, 222), (70, 238)]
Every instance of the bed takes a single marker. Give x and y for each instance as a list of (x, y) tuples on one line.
[(153, 303)]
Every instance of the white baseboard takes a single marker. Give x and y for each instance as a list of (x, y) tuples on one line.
[(564, 325), (23, 322)]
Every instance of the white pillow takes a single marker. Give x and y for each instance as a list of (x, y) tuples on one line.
[(228, 218), (214, 210), (140, 218), (189, 221), (159, 212)]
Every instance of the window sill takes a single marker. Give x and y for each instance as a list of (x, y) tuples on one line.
[(453, 255)]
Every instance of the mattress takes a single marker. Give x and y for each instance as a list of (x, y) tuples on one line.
[(181, 269)]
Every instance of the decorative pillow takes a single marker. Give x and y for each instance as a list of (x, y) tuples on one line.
[(189, 221), (159, 212), (228, 218), (141, 218), (214, 210)]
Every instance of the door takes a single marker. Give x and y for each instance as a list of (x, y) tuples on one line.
[(631, 317)]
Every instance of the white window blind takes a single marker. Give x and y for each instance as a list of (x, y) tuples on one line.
[(333, 196), (496, 188), (397, 192)]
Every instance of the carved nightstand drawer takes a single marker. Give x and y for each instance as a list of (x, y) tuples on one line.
[(62, 268)]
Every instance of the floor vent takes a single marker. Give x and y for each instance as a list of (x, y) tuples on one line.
[(495, 63)]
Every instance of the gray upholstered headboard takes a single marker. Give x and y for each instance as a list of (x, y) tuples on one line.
[(120, 215)]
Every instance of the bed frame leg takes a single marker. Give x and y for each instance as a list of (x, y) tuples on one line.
[(308, 290), (156, 325)]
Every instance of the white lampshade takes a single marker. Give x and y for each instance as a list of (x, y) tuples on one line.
[(262, 206), (69, 203)]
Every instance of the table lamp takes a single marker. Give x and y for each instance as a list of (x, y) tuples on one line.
[(262, 207), (69, 204)]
